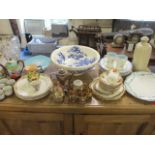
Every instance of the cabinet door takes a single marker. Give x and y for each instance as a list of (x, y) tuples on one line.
[(149, 128), (110, 124), (20, 123)]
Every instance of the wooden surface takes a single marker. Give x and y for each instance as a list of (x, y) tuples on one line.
[(31, 123), (112, 124), (127, 104), (125, 116)]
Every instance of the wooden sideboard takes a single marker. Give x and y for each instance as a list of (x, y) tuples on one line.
[(125, 116)]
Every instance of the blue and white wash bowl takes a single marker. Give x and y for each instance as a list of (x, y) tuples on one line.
[(75, 58)]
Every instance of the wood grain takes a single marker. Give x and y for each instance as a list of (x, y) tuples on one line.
[(125, 116), (109, 124)]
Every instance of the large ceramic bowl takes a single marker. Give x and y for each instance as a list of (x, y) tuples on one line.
[(75, 58)]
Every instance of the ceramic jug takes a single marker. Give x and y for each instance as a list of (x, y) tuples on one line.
[(14, 68), (3, 72), (142, 54)]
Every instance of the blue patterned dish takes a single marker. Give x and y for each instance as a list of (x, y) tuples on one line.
[(75, 58)]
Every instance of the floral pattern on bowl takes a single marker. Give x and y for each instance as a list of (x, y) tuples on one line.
[(75, 58)]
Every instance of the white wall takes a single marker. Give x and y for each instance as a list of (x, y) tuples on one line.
[(5, 27)]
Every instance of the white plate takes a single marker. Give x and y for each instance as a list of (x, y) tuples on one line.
[(24, 90), (141, 85), (125, 71)]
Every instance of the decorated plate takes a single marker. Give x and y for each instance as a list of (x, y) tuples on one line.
[(141, 85), (24, 90)]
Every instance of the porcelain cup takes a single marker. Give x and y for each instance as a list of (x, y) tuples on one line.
[(35, 84), (111, 58), (121, 60)]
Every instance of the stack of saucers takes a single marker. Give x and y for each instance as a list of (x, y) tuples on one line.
[(108, 86)]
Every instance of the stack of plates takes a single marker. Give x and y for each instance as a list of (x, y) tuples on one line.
[(126, 70), (108, 93)]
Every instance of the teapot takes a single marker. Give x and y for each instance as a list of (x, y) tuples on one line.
[(3, 72), (14, 68)]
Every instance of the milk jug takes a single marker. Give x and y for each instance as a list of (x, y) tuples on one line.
[(142, 54)]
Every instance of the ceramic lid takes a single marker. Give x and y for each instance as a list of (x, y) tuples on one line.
[(144, 39)]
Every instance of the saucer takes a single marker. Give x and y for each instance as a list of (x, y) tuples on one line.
[(107, 91), (127, 69), (102, 96)]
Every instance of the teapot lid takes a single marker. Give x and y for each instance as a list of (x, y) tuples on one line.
[(11, 61)]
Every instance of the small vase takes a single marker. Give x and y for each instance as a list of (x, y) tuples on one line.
[(35, 84), (142, 54)]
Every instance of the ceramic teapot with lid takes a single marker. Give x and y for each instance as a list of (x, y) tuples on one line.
[(3, 72), (13, 68)]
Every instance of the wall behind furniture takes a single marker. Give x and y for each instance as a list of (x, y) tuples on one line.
[(105, 24), (5, 27)]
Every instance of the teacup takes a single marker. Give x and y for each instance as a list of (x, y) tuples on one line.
[(121, 61), (111, 58), (8, 91)]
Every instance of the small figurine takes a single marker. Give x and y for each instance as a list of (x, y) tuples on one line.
[(62, 75), (58, 92)]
